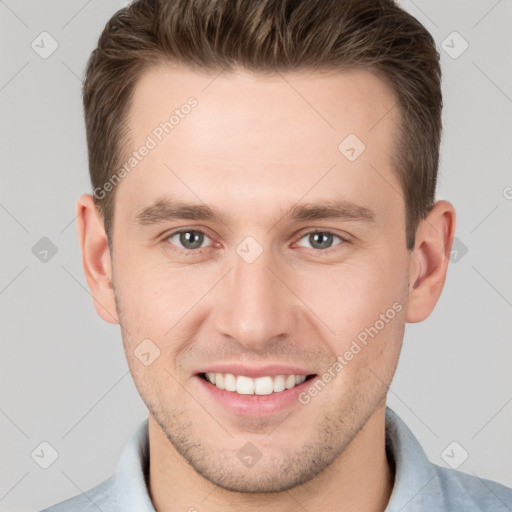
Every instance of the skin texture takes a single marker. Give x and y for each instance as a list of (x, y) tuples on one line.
[(252, 148)]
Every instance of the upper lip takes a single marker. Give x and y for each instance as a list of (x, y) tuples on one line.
[(271, 370)]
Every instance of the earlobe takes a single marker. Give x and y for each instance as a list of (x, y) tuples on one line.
[(96, 258), (429, 261)]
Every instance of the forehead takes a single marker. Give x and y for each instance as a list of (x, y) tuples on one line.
[(254, 137), (311, 104)]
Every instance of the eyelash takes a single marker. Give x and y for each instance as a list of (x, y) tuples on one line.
[(195, 252)]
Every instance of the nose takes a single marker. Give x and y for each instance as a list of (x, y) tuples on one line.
[(255, 305)]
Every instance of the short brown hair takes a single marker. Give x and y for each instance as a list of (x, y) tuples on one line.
[(270, 36)]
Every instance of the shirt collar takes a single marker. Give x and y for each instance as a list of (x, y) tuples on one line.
[(132, 494), (413, 471), (415, 475)]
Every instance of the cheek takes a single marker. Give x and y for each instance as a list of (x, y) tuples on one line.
[(351, 297), (165, 305), (152, 295)]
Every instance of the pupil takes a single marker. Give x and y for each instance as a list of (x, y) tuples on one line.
[(323, 240), (187, 236)]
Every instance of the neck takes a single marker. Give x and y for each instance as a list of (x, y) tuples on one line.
[(361, 479)]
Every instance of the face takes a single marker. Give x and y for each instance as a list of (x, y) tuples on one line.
[(249, 242)]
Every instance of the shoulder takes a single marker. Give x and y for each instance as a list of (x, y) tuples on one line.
[(461, 491), (421, 485), (101, 497)]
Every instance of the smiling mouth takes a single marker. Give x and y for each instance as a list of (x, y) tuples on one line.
[(244, 385)]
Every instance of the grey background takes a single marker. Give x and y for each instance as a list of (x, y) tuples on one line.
[(64, 377)]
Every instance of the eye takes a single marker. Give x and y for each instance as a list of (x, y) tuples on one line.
[(188, 239), (321, 240)]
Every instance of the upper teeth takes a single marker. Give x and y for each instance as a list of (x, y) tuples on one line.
[(258, 386)]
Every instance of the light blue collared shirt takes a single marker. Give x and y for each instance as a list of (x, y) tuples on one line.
[(420, 485)]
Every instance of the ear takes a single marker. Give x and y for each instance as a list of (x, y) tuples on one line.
[(429, 260), (96, 258)]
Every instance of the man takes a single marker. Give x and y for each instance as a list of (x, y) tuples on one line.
[(263, 226)]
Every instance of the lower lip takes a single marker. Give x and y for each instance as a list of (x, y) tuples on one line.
[(255, 405)]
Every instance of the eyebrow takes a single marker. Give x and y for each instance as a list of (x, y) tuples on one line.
[(166, 209)]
